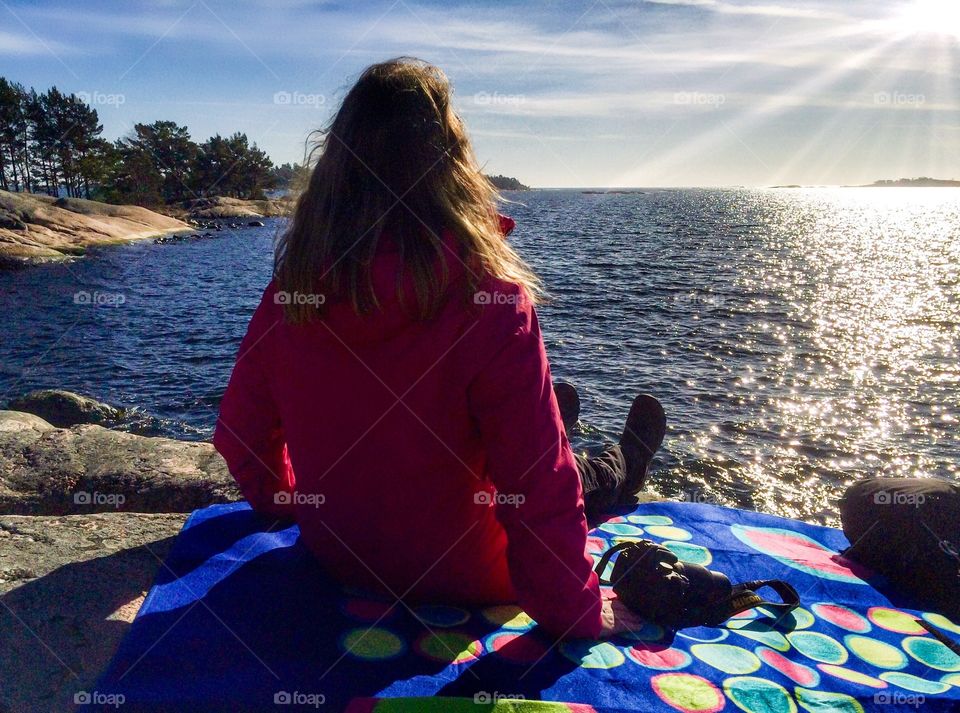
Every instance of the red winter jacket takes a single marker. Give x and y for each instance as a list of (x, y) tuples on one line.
[(431, 462)]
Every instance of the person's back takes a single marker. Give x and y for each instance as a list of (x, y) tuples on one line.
[(392, 394), (377, 415)]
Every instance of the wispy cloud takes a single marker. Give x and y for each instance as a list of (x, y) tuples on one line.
[(753, 9), (25, 45)]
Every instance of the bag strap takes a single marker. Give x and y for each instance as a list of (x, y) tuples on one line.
[(744, 597), (607, 556)]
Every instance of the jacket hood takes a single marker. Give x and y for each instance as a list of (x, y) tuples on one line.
[(393, 315)]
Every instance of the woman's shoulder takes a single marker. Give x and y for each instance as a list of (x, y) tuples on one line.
[(270, 308), (498, 291), (503, 306)]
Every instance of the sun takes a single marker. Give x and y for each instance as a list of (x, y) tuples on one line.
[(932, 16)]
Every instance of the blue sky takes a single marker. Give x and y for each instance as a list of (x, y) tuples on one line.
[(593, 93)]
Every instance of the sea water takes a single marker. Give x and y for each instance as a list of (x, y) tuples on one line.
[(799, 338)]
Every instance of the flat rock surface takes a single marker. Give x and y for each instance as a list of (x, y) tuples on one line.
[(37, 228), (88, 468), (69, 588)]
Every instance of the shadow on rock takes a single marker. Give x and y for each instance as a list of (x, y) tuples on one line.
[(63, 608)]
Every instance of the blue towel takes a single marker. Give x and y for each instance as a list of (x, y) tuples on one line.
[(242, 618)]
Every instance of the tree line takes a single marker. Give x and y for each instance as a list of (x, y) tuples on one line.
[(51, 143)]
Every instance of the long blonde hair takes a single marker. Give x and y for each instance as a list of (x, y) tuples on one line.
[(396, 158)]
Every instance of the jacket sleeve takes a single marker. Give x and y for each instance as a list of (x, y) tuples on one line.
[(539, 497), (249, 434)]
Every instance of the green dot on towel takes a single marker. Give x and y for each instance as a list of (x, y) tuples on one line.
[(914, 683), (877, 653), (372, 644), (593, 655), (818, 647), (669, 532), (758, 695), (932, 653), (622, 528), (823, 701), (726, 658), (649, 519)]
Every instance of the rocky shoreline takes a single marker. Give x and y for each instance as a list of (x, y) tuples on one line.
[(87, 515), (219, 207), (37, 229)]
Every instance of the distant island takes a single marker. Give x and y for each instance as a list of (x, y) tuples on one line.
[(914, 183), (922, 182), (507, 183), (614, 191)]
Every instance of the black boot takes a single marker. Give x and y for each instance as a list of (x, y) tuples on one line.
[(642, 436), (569, 401)]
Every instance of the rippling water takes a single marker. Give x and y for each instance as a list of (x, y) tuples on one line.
[(799, 339)]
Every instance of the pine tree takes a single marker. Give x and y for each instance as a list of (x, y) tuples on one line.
[(232, 167), (14, 157), (52, 142), (132, 176), (173, 154)]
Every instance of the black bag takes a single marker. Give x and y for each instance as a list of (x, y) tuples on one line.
[(908, 530), (654, 583)]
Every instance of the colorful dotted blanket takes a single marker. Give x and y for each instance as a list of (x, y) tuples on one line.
[(241, 618)]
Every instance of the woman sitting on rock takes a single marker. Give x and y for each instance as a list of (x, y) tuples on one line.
[(395, 364)]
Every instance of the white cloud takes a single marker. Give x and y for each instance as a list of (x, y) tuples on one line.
[(685, 103), (764, 10), (25, 44)]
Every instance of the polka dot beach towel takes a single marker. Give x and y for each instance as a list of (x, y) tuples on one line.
[(241, 618)]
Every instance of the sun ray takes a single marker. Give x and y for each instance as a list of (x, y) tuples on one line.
[(890, 51), (768, 110)]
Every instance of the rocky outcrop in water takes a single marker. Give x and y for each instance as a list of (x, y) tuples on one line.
[(224, 207), (65, 408), (38, 228)]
